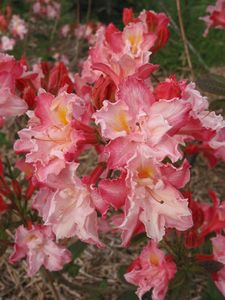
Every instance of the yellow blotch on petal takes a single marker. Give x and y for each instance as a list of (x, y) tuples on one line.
[(121, 123), (62, 113), (145, 172), (154, 260), (30, 237), (135, 41)]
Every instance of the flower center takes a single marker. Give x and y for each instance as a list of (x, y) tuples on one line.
[(154, 260), (121, 123)]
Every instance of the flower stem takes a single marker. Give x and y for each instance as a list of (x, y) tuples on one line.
[(184, 39)]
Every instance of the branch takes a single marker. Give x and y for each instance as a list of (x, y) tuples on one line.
[(51, 281), (184, 39)]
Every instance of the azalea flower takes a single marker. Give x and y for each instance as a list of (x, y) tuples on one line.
[(10, 103), (37, 244), (216, 17), (67, 205), (151, 270), (51, 131), (7, 43), (18, 27)]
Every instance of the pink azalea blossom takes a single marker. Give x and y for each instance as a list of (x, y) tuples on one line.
[(137, 117), (207, 218), (151, 270), (123, 53), (51, 138), (67, 205), (153, 198), (53, 10), (158, 25), (10, 103), (216, 17), (36, 7), (18, 27), (37, 244), (49, 8), (7, 43), (65, 30)]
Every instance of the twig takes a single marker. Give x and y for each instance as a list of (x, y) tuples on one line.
[(177, 31), (88, 10), (51, 281), (93, 288), (54, 30), (184, 39)]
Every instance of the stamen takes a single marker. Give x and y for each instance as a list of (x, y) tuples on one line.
[(154, 195)]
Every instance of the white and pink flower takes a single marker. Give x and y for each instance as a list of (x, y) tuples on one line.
[(10, 103), (38, 246), (68, 207), (151, 270)]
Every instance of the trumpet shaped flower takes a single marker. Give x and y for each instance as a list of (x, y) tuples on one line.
[(38, 246), (67, 205), (153, 197), (51, 139), (10, 103), (151, 270)]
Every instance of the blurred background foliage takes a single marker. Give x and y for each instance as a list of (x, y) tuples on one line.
[(205, 52)]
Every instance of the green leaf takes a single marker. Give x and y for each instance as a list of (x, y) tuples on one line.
[(176, 287), (212, 292), (77, 249), (4, 141), (141, 237), (72, 269), (211, 265), (121, 271), (212, 83)]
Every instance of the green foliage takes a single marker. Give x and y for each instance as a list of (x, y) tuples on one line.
[(121, 271), (72, 269), (77, 248), (141, 237), (211, 265), (95, 298), (205, 52), (4, 141), (128, 295), (211, 292)]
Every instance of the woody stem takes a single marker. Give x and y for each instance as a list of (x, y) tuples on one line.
[(184, 38)]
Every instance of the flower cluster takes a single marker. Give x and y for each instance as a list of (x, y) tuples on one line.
[(81, 31), (47, 8), (140, 133), (216, 17), (10, 103), (12, 28)]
